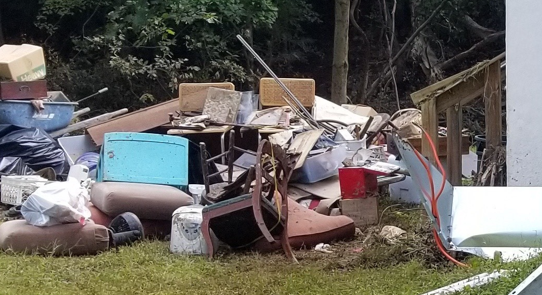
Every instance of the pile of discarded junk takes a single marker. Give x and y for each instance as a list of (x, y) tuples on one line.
[(216, 167), (281, 168)]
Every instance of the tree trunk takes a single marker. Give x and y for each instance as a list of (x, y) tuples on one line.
[(2, 40), (340, 52)]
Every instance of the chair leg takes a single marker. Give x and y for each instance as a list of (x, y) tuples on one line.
[(206, 231), (285, 242), (204, 166)]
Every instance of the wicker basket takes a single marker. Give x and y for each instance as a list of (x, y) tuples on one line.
[(16, 189)]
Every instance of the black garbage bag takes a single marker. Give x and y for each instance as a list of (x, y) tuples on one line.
[(14, 166), (34, 146)]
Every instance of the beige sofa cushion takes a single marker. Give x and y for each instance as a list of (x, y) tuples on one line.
[(63, 239), (147, 201)]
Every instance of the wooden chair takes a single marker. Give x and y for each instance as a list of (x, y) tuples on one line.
[(214, 191), (241, 221)]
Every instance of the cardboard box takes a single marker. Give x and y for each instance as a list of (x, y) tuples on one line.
[(22, 62), (364, 212)]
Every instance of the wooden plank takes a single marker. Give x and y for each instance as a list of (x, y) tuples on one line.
[(454, 137), (364, 212), (303, 143), (138, 121), (80, 112), (419, 96), (462, 93), (208, 130), (326, 189), (430, 124), (88, 123), (493, 104)]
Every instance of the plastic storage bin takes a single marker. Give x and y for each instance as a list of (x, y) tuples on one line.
[(16, 189), (321, 166), (75, 146), (144, 158), (57, 114)]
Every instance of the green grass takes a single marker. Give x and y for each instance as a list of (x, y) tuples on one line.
[(148, 268), (410, 267)]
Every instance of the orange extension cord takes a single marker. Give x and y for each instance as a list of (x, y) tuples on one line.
[(434, 198)]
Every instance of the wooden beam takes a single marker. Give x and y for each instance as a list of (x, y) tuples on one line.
[(493, 104), (88, 123), (462, 93), (80, 112), (454, 156), (423, 94), (430, 124)]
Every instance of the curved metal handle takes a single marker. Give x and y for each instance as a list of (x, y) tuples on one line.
[(24, 87)]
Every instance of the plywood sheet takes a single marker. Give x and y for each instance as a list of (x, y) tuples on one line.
[(192, 96), (303, 143), (138, 121), (364, 212), (329, 188), (271, 93)]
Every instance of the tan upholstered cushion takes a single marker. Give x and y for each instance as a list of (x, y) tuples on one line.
[(307, 228), (147, 201), (158, 229), (64, 239)]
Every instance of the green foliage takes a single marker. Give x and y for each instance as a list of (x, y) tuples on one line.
[(172, 41), (450, 28)]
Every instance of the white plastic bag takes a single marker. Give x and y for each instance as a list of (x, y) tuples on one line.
[(57, 203)]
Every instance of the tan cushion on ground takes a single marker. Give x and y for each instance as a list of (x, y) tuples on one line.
[(307, 228), (158, 229), (64, 239), (147, 201)]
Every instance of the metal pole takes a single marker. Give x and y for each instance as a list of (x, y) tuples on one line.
[(268, 69)]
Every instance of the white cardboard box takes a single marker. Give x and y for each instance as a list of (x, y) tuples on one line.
[(22, 62)]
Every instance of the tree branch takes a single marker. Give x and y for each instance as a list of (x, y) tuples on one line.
[(489, 39), (387, 73), (2, 40), (477, 29), (354, 22)]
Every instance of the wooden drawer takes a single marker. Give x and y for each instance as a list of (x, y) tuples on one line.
[(23, 90)]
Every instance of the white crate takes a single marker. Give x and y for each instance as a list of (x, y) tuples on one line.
[(16, 189)]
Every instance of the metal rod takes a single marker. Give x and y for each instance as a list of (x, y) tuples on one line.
[(300, 114), (268, 69), (94, 94)]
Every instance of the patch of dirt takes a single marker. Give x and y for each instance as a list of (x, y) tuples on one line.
[(369, 250)]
